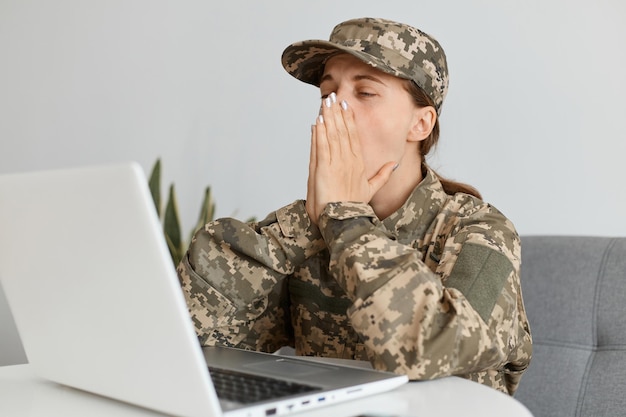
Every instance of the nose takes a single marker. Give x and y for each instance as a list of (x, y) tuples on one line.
[(342, 97), (337, 96), (339, 91)]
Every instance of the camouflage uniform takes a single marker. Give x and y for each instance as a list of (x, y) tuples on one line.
[(432, 290)]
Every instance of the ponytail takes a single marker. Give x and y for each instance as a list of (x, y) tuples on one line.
[(453, 187), (449, 186)]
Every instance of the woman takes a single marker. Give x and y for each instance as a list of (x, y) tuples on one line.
[(385, 261)]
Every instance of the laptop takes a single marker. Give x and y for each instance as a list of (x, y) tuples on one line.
[(97, 302)]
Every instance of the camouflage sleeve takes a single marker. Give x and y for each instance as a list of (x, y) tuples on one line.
[(457, 315), (233, 277)]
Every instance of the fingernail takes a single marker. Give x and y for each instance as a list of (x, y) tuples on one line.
[(321, 119), (333, 97), (344, 104), (327, 101)]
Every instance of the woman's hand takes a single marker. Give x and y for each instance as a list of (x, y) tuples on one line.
[(337, 172)]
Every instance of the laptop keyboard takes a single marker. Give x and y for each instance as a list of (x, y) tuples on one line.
[(246, 389)]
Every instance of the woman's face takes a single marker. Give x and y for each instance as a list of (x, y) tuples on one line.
[(385, 113)]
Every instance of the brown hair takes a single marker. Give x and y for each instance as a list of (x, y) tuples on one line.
[(423, 100)]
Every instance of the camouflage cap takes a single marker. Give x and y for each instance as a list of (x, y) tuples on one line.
[(392, 47)]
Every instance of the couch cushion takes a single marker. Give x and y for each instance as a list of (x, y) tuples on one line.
[(575, 295)]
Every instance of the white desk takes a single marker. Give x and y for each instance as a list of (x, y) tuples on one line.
[(22, 394)]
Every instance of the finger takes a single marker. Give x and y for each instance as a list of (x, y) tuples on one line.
[(381, 177), (329, 110), (341, 130), (312, 155), (353, 137), (310, 192), (322, 148)]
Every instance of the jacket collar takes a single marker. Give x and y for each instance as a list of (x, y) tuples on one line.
[(419, 211)]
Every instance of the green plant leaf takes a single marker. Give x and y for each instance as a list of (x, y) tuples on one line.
[(171, 219), (155, 185), (207, 211), (171, 227), (176, 253)]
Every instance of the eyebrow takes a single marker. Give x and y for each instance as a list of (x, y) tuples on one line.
[(359, 77)]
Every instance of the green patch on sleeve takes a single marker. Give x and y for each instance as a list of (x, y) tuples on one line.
[(480, 274)]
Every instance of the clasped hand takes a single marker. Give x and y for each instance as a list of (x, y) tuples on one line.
[(337, 172)]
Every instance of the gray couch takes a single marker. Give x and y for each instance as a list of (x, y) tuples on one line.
[(575, 295)]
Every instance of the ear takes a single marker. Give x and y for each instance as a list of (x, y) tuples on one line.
[(424, 119)]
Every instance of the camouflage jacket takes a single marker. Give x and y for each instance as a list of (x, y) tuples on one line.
[(431, 291)]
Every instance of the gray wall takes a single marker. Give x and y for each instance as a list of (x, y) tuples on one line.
[(533, 116)]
